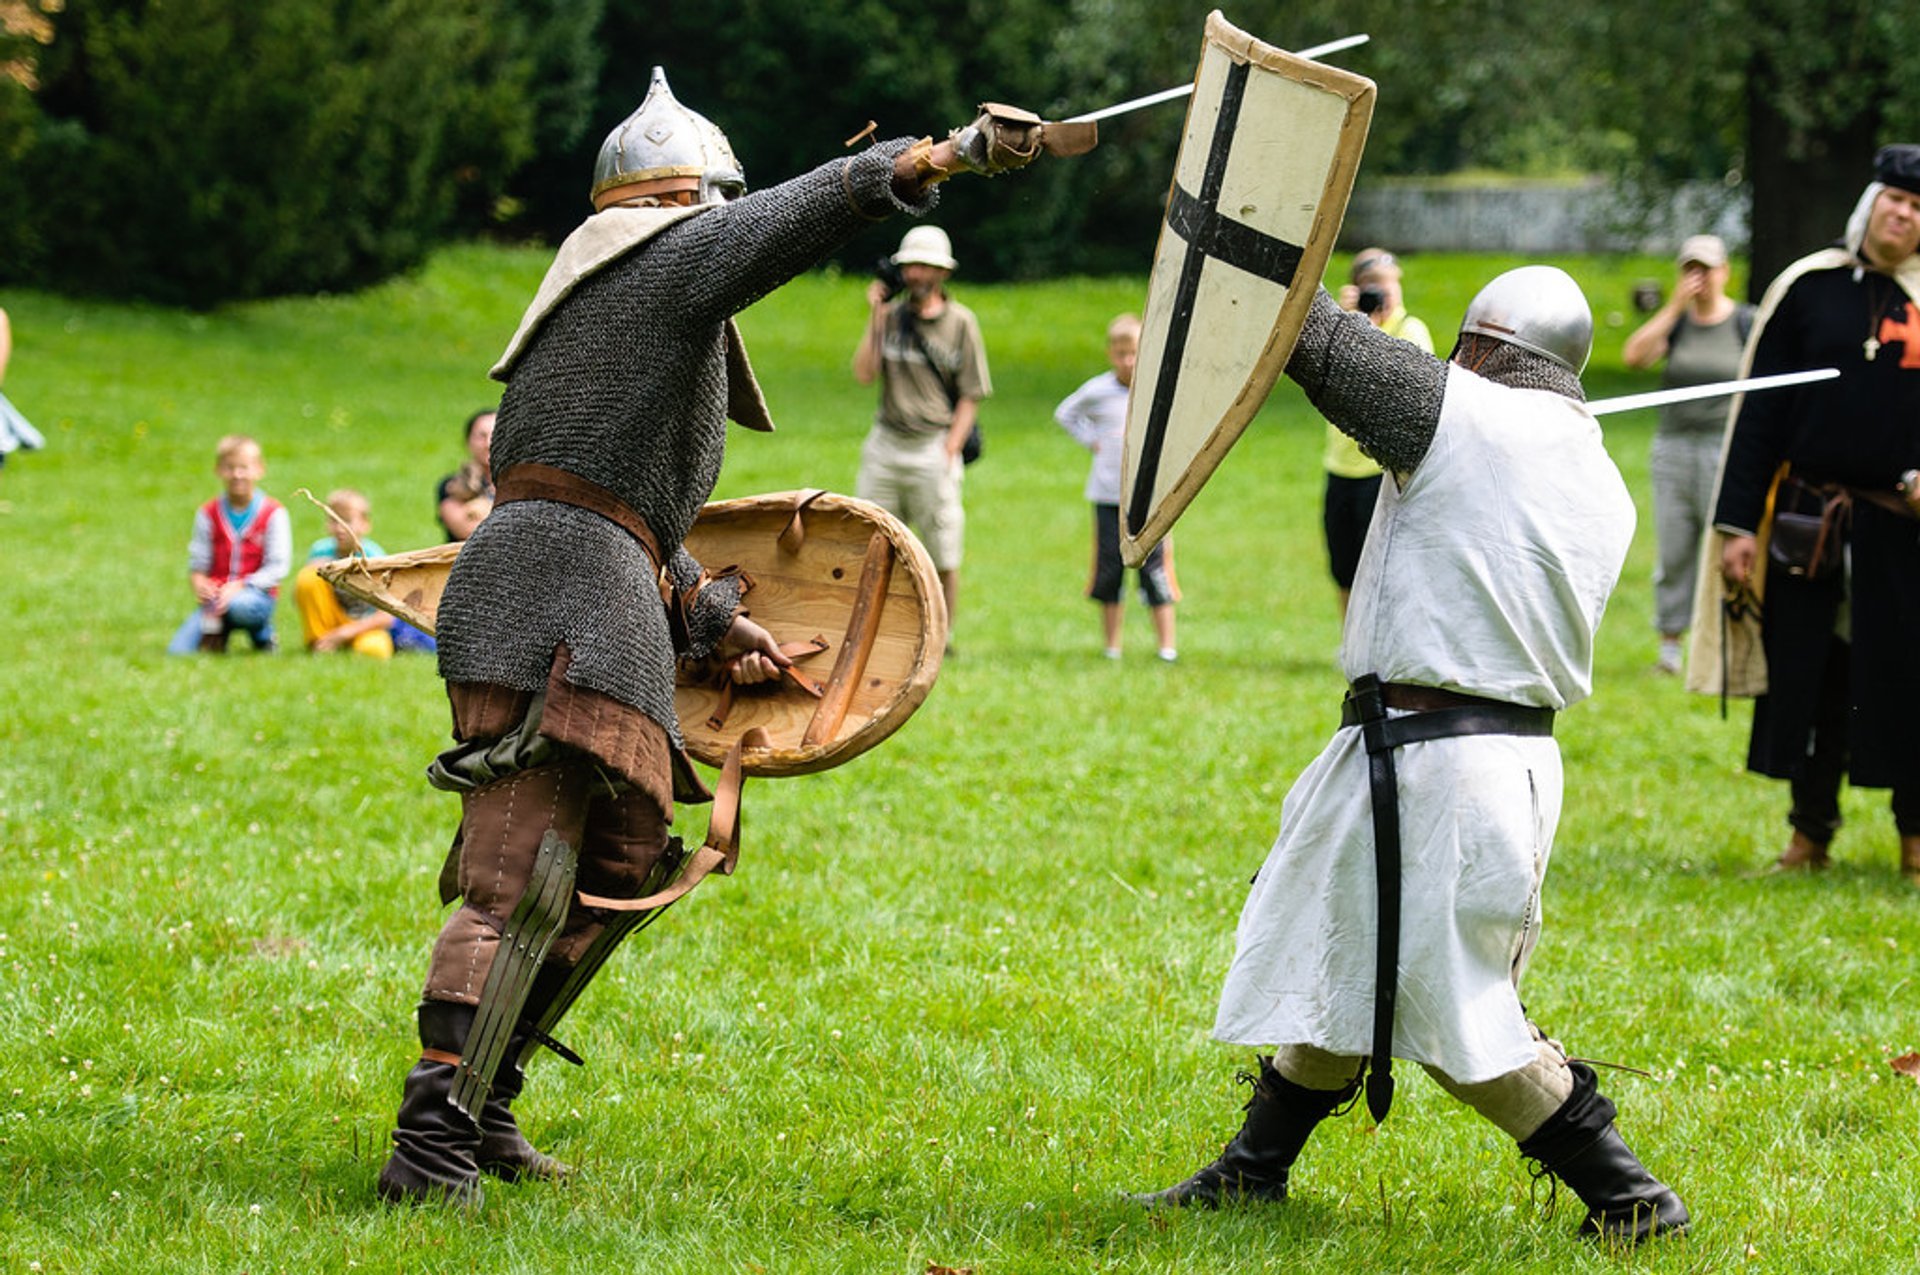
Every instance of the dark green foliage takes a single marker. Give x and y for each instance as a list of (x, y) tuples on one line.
[(197, 151)]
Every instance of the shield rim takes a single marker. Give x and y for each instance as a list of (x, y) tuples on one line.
[(1359, 93)]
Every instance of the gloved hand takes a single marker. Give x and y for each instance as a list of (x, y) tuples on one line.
[(1003, 138)]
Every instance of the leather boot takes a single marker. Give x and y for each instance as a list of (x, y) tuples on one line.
[(434, 1143), (504, 1151), (1254, 1166), (1579, 1145), (1910, 859), (1803, 853)]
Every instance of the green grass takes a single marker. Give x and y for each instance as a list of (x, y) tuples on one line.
[(958, 995)]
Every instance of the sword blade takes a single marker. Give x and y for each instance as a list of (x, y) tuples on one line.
[(1660, 398), (1167, 95)]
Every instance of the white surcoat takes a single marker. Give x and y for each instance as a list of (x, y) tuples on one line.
[(1486, 571)]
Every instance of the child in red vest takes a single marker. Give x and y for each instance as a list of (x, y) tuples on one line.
[(242, 546)]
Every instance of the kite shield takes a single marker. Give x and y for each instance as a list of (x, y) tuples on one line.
[(1271, 147)]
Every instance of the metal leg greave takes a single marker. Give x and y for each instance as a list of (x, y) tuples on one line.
[(1580, 1146), (434, 1143), (1281, 1116), (504, 1151)]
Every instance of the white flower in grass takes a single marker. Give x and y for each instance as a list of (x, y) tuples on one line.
[(254, 1210)]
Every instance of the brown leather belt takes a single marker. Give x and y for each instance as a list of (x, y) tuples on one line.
[(1431, 699), (530, 480)]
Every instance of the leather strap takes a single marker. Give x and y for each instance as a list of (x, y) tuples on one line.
[(793, 651), (440, 1056), (795, 533), (1434, 713), (530, 480), (1383, 784), (721, 850)]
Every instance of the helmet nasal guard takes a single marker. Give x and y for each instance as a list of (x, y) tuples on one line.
[(1538, 308), (663, 141)]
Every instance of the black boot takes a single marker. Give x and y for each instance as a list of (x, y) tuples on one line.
[(1280, 1117), (1579, 1145), (504, 1151), (434, 1145)]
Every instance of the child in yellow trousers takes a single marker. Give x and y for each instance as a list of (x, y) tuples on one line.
[(331, 621)]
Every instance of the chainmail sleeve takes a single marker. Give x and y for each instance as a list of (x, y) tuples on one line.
[(1378, 389), (711, 612), (723, 261)]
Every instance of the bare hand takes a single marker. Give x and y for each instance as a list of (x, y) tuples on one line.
[(759, 659), (1349, 297), (876, 294), (1736, 560)]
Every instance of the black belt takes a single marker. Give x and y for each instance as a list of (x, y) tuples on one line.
[(1433, 714)]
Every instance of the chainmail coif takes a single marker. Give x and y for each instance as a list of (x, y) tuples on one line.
[(1512, 366), (625, 384)]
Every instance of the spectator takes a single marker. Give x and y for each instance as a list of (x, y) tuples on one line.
[(1701, 332), (465, 496), (1841, 630), (241, 548), (335, 621), (15, 431), (1353, 477), (1096, 416), (926, 351)]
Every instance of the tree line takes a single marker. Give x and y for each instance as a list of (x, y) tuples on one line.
[(198, 151)]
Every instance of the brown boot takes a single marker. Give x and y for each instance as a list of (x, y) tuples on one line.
[(1803, 854), (434, 1143), (1910, 858)]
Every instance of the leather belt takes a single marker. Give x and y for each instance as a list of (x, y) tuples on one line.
[(1433, 714), (530, 480)]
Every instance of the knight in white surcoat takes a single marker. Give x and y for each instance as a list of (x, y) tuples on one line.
[(1401, 900)]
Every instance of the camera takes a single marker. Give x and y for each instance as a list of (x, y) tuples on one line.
[(1372, 300), (887, 271)]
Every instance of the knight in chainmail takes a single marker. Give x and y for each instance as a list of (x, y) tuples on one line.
[(565, 612), (1401, 900)]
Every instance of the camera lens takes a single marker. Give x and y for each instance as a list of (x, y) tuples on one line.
[(1372, 299)]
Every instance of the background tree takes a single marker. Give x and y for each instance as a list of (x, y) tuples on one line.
[(199, 151)]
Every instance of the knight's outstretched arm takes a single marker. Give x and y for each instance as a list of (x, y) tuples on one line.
[(1380, 390)]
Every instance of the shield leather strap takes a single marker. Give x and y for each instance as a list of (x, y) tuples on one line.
[(1433, 714)]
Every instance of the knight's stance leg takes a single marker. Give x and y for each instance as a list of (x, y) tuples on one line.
[(434, 1142), (622, 855), (1281, 1116), (516, 868), (1554, 1110), (1579, 1145)]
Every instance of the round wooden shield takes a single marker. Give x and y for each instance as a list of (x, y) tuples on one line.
[(843, 585), (829, 568)]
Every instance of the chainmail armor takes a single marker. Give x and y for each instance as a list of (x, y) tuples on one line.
[(1519, 369), (1378, 389), (625, 385)]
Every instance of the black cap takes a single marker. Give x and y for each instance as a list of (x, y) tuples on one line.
[(1898, 165)]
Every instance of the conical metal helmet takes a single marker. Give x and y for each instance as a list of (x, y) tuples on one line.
[(1538, 308), (663, 139)]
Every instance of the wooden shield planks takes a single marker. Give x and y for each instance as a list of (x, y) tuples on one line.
[(1266, 164), (859, 579), (408, 585), (851, 574)]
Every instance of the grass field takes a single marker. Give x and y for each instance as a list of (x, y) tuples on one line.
[(958, 995)]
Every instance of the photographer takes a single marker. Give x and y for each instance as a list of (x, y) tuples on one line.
[(925, 350), (1353, 479)]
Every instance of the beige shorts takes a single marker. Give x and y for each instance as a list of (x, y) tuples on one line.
[(911, 477)]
